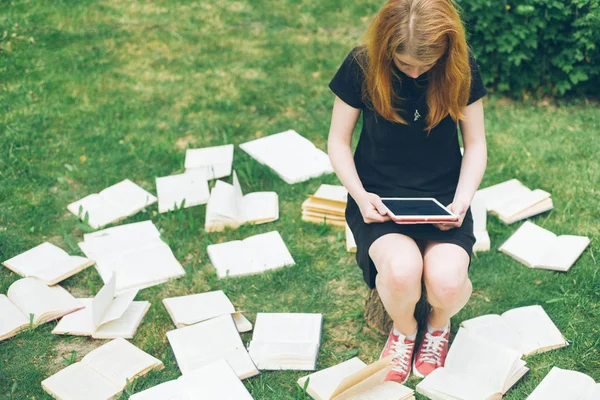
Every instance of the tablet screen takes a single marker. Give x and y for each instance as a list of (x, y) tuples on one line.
[(410, 207)]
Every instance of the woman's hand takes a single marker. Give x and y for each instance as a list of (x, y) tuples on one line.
[(458, 208), (372, 208)]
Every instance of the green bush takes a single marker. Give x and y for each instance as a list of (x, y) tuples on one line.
[(539, 47)]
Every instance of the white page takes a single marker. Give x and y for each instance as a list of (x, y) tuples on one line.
[(561, 384), (102, 301), (77, 323), (520, 203), (191, 186), (77, 381), (144, 230), (205, 342), (267, 251), (563, 252), (350, 242), (33, 297), (335, 193), (528, 243), (486, 362), (260, 207), (479, 213), (482, 241), (11, 317), (215, 381), (119, 360), (127, 197), (284, 356), (222, 203), (388, 390), (187, 310), (593, 393), (62, 270), (293, 157), (230, 259), (535, 328), (126, 326), (118, 306), (323, 383), (98, 210), (36, 259), (501, 192), (213, 162), (493, 327), (443, 384), (170, 390)]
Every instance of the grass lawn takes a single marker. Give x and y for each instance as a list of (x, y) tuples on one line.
[(93, 92)]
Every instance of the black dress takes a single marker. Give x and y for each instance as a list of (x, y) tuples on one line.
[(396, 160)]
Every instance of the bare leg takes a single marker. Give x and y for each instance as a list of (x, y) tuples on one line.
[(399, 264), (446, 279)]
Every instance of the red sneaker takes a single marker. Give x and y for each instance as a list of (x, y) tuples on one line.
[(432, 352), (402, 348)]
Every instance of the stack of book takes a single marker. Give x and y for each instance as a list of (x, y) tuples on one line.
[(327, 206)]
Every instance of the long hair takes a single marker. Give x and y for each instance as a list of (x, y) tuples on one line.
[(429, 31)]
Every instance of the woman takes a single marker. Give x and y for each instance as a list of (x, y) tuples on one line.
[(414, 80)]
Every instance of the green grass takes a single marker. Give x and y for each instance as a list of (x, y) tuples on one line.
[(96, 92)]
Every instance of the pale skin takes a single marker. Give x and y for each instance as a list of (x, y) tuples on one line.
[(401, 264)]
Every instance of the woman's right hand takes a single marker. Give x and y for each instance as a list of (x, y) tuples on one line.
[(372, 208)]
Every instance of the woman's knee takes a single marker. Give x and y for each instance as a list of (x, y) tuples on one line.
[(447, 289), (401, 275)]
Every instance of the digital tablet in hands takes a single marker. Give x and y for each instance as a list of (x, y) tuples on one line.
[(408, 210)]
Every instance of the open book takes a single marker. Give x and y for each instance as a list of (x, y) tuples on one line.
[(528, 330), (293, 157), (135, 253), (105, 316), (228, 207), (253, 255), (113, 204), (188, 189), (103, 372), (512, 201), (350, 243), (215, 381), (193, 308), (479, 212), (28, 300), (48, 263), (355, 380), (198, 345), (212, 162), (327, 205), (561, 384), (286, 341), (537, 247), (475, 368)]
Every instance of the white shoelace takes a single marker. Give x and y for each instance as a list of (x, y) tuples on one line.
[(433, 347), (401, 359)]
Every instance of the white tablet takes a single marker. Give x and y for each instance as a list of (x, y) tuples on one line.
[(424, 210)]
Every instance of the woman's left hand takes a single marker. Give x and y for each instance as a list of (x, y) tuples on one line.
[(460, 210)]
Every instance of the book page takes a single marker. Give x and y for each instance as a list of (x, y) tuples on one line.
[(127, 197), (77, 381), (62, 270), (350, 243), (213, 162), (172, 191), (561, 384), (528, 243), (170, 390), (241, 322), (44, 302), (99, 211), (484, 361), (535, 328), (118, 306), (77, 323), (519, 204), (102, 301), (336, 193), (482, 241), (260, 207), (284, 356), (11, 318), (187, 310), (119, 360), (500, 193), (563, 252), (593, 393), (479, 213), (267, 251), (198, 345), (36, 259), (137, 231), (493, 327), (215, 381), (443, 384), (126, 326), (388, 390), (322, 384), (230, 259), (222, 203)]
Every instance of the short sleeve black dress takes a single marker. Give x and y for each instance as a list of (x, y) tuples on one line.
[(396, 160)]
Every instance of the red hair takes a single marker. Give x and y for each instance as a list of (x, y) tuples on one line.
[(429, 31)]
